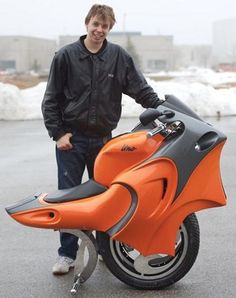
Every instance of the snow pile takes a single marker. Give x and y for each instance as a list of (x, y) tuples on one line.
[(18, 104), (198, 88), (11, 103)]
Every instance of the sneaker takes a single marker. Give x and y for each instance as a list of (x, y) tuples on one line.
[(62, 265)]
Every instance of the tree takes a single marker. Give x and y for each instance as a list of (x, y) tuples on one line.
[(130, 48)]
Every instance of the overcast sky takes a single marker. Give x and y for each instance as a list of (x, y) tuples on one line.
[(189, 21)]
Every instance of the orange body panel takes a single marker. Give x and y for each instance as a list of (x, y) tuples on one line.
[(96, 213), (157, 226), (121, 153), (154, 224)]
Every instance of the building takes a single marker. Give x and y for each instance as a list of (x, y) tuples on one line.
[(21, 53), (224, 43), (189, 55), (151, 52)]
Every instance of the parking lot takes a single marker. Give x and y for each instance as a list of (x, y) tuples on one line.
[(27, 255)]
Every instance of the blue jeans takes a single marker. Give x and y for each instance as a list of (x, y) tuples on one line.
[(71, 165)]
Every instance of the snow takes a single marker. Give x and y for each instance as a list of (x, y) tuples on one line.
[(207, 92)]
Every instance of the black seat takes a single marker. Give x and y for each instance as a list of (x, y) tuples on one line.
[(87, 189)]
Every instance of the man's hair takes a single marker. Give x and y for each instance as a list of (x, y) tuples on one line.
[(104, 12)]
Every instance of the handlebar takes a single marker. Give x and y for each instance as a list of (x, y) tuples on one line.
[(152, 114)]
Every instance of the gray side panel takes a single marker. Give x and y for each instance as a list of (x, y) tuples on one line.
[(182, 149), (26, 204), (117, 227)]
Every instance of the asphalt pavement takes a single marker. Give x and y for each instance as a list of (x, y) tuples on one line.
[(27, 166)]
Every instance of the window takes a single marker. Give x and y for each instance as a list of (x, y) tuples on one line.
[(7, 64), (156, 65)]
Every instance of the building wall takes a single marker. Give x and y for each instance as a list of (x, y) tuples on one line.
[(154, 52), (187, 55), (26, 53), (224, 42), (151, 52), (66, 39)]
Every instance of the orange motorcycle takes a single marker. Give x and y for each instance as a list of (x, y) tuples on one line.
[(147, 186)]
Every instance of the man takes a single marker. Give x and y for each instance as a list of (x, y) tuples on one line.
[(82, 105)]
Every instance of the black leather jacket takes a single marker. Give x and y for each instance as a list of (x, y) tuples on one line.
[(84, 90)]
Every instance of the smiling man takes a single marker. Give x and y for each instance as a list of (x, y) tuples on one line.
[(98, 26), (82, 105)]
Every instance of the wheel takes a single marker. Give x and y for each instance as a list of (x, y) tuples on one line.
[(160, 270)]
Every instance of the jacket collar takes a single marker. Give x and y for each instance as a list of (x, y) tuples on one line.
[(84, 53)]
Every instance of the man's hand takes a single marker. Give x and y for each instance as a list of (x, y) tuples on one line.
[(64, 142), (158, 103)]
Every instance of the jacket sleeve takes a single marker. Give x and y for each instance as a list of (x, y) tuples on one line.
[(137, 87), (54, 97)]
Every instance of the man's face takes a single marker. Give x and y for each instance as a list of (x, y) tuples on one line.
[(97, 29)]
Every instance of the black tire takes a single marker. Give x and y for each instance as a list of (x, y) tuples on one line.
[(160, 272)]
